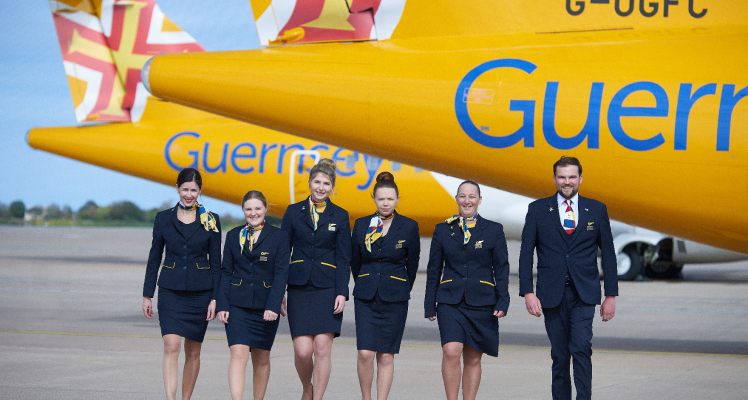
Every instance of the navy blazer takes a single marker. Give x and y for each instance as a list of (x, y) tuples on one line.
[(322, 258), (392, 264), (558, 252), (255, 279), (191, 263), (477, 271)]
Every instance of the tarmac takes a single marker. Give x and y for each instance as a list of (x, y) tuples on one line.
[(71, 327)]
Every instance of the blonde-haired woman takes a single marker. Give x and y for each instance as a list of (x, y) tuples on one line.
[(319, 234)]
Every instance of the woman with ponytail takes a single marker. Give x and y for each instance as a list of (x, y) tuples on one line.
[(467, 275), (384, 262), (255, 270), (319, 234), (189, 279)]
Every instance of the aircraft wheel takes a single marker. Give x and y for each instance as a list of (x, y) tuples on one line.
[(629, 264), (664, 271)]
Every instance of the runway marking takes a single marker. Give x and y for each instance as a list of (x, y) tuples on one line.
[(657, 353), (680, 300)]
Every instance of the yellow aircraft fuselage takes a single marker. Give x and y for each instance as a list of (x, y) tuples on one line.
[(654, 112)]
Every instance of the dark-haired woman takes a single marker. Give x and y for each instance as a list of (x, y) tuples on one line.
[(384, 262), (255, 270), (467, 276), (188, 282), (320, 237)]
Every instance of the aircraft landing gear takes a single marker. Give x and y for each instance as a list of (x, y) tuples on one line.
[(664, 270), (629, 264)]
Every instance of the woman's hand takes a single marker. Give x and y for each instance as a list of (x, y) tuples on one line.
[(339, 304), (147, 307), (432, 319), (223, 316), (498, 314), (211, 310), (270, 316), (283, 307)]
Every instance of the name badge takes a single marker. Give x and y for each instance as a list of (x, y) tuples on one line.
[(331, 227), (263, 258), (590, 227), (479, 244), (399, 246)]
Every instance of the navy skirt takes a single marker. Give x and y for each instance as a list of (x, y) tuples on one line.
[(380, 324), (183, 312), (310, 311), (246, 326), (473, 326)]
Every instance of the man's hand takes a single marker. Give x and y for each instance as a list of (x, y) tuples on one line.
[(608, 309), (533, 304)]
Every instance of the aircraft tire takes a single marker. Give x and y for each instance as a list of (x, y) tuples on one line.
[(629, 264), (664, 271)]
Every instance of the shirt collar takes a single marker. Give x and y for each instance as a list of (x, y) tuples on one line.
[(574, 200)]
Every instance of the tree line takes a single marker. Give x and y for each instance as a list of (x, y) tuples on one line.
[(120, 213)]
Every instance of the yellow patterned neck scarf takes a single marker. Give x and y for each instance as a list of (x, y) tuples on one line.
[(250, 231), (376, 225), (206, 218), (465, 224), (313, 212)]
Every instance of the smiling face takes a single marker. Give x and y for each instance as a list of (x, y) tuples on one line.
[(188, 193), (567, 181), (386, 200), (468, 199), (254, 212), (320, 187)]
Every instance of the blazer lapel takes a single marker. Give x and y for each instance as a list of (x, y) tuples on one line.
[(555, 214), (263, 234), (326, 216), (306, 213), (476, 233), (175, 221), (392, 232), (456, 232)]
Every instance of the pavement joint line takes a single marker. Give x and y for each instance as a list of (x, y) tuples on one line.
[(659, 353)]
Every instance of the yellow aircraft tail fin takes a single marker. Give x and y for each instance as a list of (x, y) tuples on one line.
[(104, 44)]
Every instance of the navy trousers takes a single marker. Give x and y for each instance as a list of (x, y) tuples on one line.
[(569, 328)]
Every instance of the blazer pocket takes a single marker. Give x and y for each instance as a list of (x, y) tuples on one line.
[(266, 286), (205, 266), (297, 261), (362, 275), (399, 279), (487, 283), (329, 265), (236, 281), (445, 281), (172, 265)]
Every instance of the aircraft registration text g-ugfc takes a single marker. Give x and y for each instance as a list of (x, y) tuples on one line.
[(687, 97)]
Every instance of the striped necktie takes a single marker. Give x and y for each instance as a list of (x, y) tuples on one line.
[(569, 223)]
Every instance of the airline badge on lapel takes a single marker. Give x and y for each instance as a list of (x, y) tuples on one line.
[(331, 228), (479, 244), (399, 244), (590, 227)]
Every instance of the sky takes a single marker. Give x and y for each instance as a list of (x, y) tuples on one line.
[(34, 93)]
